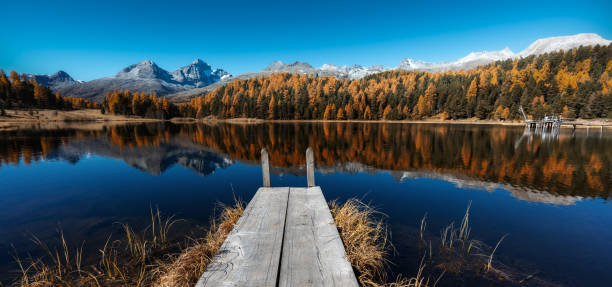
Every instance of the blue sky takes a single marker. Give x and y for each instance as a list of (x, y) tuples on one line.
[(91, 39)]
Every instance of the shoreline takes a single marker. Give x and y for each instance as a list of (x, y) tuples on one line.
[(49, 119), (580, 123), (86, 117)]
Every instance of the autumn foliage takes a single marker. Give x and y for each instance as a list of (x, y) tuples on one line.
[(139, 104), (19, 92), (575, 83)]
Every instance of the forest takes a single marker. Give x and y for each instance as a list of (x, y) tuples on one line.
[(139, 104), (19, 92), (574, 84)]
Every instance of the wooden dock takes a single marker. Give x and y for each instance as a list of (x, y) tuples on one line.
[(285, 237)]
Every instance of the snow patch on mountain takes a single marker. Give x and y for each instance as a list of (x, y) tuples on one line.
[(56, 81), (475, 59), (553, 44)]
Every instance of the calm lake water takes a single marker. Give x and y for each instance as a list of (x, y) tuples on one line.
[(551, 195)]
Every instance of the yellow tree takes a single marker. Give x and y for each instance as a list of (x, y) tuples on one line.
[(387, 113), (472, 90), (272, 108), (340, 114), (330, 112), (425, 104), (367, 115)]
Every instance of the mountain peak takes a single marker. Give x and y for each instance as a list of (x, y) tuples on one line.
[(295, 67), (146, 62), (145, 69), (58, 80), (198, 74), (198, 61), (553, 44), (274, 66)]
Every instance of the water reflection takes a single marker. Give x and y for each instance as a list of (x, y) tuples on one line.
[(558, 168)]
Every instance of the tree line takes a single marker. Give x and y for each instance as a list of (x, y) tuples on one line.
[(139, 104), (575, 84), (20, 92)]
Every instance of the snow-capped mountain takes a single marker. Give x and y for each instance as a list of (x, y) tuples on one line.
[(351, 72), (198, 74), (56, 81), (198, 77), (296, 67), (475, 59), (472, 60), (553, 44), (148, 77), (345, 72)]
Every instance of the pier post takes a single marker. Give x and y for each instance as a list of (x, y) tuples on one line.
[(310, 167), (265, 168)]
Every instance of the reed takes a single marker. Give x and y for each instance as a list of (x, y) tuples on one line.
[(423, 226), (490, 261), (129, 261), (187, 267), (367, 244)]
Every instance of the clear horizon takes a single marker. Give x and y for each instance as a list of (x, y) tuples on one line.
[(90, 41)]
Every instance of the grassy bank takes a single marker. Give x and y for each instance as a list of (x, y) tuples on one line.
[(145, 258), (148, 258), (51, 119)]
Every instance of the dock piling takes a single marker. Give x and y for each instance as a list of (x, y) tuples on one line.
[(265, 168), (310, 167)]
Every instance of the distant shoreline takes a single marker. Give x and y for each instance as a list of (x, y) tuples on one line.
[(79, 119), (580, 123), (87, 117)]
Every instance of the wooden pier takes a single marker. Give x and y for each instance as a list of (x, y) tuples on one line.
[(285, 237), (554, 122)]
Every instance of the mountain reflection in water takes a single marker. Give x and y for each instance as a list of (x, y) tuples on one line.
[(566, 169)]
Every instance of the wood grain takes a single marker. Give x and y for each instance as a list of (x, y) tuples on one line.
[(250, 255), (313, 253)]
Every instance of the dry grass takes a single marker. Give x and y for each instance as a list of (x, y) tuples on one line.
[(187, 268), (137, 259), (367, 245), (148, 258), (365, 240)]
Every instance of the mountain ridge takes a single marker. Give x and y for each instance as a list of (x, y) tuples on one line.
[(145, 76), (198, 77)]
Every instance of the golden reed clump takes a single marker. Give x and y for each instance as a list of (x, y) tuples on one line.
[(367, 245), (133, 262), (365, 240), (138, 259), (187, 268)]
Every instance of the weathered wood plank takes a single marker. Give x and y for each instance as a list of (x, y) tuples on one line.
[(313, 254), (250, 255)]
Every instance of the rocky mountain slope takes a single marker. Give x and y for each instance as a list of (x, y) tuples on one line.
[(145, 76), (470, 61), (538, 47), (56, 81), (199, 77)]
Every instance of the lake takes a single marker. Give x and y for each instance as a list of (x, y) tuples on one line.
[(549, 193)]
